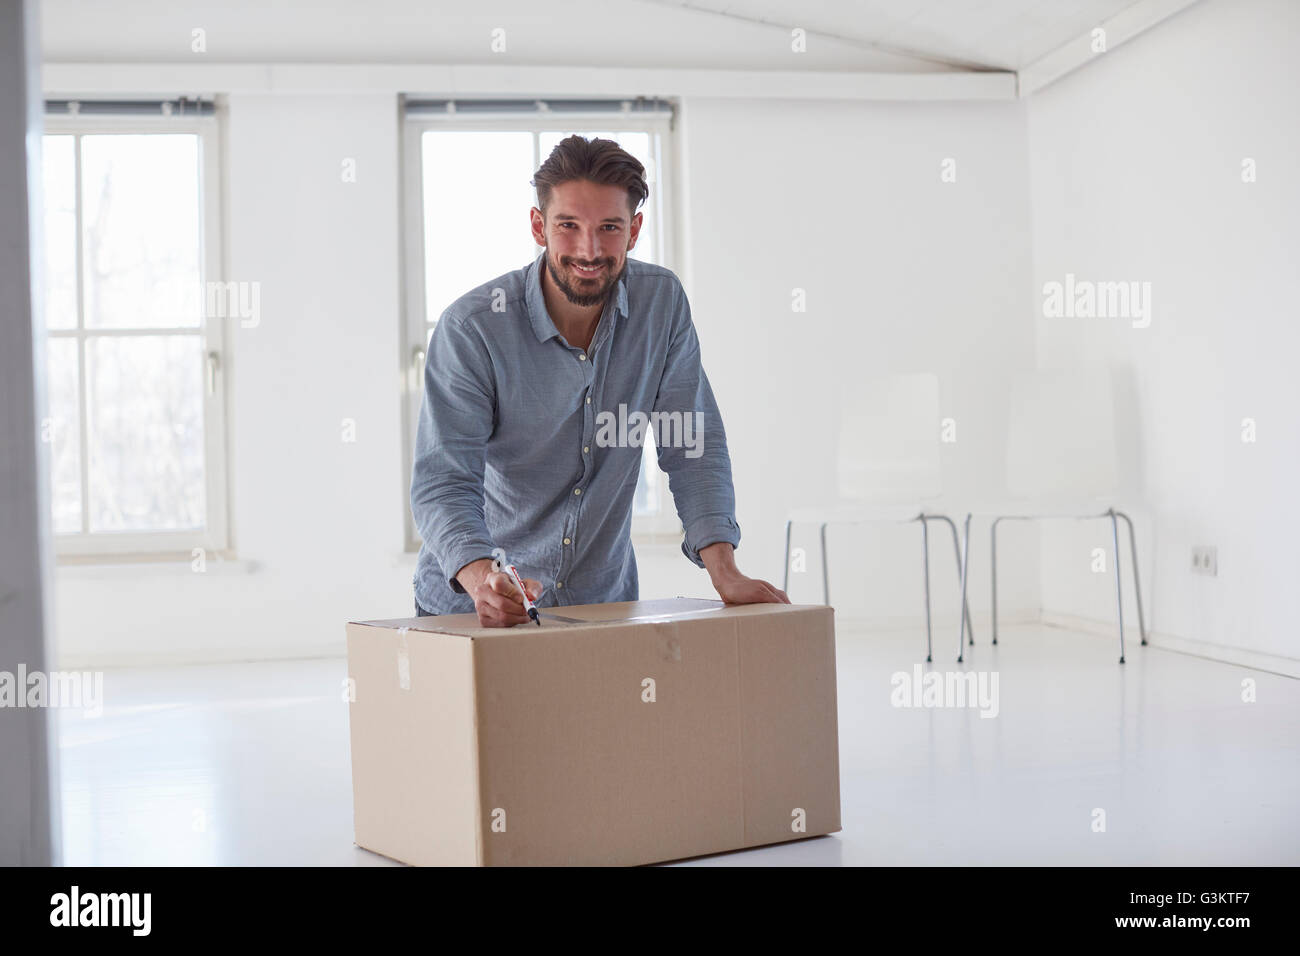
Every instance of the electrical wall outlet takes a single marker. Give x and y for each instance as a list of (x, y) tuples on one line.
[(1205, 560)]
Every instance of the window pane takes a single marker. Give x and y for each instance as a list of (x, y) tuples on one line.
[(59, 170), (62, 432), (640, 145), (646, 499), (145, 432), (476, 201), (141, 222)]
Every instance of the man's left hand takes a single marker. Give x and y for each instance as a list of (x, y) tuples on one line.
[(737, 589), (732, 586)]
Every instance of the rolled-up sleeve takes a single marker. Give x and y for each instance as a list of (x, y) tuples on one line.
[(699, 469), (456, 419)]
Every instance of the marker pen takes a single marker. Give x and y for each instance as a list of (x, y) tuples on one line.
[(529, 606)]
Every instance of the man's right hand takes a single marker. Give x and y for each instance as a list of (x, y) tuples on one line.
[(496, 599)]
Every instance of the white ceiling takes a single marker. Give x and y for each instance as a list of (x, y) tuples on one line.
[(980, 34), (890, 36)]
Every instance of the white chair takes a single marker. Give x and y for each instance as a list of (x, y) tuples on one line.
[(1061, 463), (888, 470)]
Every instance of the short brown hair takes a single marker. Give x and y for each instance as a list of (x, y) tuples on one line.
[(601, 161)]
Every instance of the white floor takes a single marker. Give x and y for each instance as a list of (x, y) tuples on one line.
[(248, 763)]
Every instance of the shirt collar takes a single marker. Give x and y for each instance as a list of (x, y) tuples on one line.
[(543, 327)]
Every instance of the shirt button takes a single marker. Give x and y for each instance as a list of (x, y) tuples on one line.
[(585, 449), (559, 584), (566, 540), (588, 399), (582, 357), (577, 491)]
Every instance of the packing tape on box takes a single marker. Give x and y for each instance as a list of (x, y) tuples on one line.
[(671, 616), (403, 660), (637, 619), (428, 625)]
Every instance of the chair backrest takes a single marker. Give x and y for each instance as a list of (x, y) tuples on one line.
[(889, 439), (1061, 434)]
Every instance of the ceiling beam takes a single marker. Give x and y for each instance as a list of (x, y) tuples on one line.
[(1120, 28), (912, 53), (72, 80)]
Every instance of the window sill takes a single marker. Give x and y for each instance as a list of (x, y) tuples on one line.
[(181, 562)]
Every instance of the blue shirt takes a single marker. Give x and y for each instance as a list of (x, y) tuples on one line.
[(528, 444)]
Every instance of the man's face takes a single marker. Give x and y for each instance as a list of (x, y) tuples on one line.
[(586, 225)]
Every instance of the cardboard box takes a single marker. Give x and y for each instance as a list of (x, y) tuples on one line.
[(621, 734)]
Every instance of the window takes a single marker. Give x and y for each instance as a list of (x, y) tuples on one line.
[(471, 163), (134, 423)]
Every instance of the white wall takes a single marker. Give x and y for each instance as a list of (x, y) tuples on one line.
[(902, 272), (1136, 163)]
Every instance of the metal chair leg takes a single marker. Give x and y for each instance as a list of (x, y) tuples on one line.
[(965, 537), (785, 579), (826, 579), (925, 550), (993, 572), (1119, 594), (1137, 586), (965, 607)]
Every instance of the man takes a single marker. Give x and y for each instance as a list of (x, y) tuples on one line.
[(515, 461)]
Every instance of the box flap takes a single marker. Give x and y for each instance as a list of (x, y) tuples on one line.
[(623, 612)]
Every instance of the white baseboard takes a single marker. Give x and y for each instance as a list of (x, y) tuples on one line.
[(1243, 657), (201, 655), (981, 621)]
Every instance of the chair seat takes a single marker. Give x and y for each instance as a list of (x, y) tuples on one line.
[(844, 513), (1034, 508)]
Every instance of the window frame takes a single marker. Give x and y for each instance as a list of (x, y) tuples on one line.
[(214, 539), (663, 527)]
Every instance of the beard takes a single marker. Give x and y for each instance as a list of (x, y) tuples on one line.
[(583, 290)]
